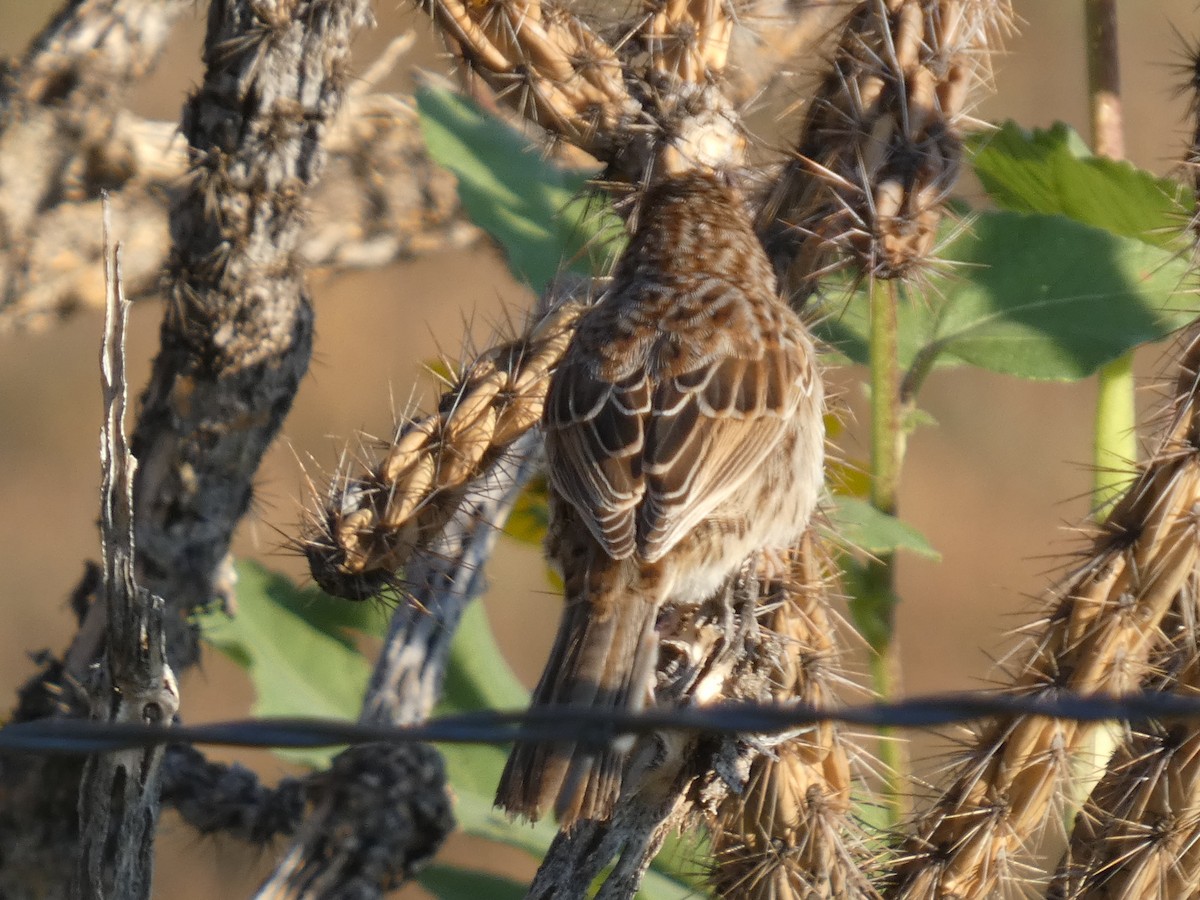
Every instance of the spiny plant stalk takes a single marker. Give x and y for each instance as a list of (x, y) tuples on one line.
[(1099, 637), (1137, 835), (546, 64), (880, 147), (790, 832), (659, 83), (878, 153), (373, 521)]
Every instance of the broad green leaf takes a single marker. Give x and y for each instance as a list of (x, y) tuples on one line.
[(859, 525), (1034, 296), (298, 648), (451, 883), (539, 212), (1052, 172)]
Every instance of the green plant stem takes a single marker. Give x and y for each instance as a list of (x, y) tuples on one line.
[(1114, 444), (1115, 438), (887, 453)]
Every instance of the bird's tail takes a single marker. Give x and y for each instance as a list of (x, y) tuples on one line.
[(602, 659)]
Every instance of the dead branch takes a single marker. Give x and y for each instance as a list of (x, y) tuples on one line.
[(237, 333), (58, 117), (235, 340), (383, 199), (119, 801), (364, 829)]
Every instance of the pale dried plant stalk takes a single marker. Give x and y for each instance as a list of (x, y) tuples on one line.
[(688, 40), (1100, 637), (1139, 832), (791, 831), (383, 199), (60, 114), (374, 520), (880, 147)]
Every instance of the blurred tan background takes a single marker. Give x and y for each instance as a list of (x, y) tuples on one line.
[(995, 485)]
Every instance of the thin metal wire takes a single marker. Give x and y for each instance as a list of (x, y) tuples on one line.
[(81, 736)]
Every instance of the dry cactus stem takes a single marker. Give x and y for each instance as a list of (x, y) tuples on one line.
[(791, 832), (1139, 833), (373, 521), (547, 64), (880, 146), (1100, 637), (648, 84)]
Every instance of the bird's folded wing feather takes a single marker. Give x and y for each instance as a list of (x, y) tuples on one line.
[(646, 465)]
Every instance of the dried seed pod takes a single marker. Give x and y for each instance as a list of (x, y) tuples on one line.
[(372, 521), (880, 147)]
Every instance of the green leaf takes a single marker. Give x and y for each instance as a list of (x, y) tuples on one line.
[(537, 211), (478, 677), (450, 883), (531, 513), (298, 648), (1034, 296), (860, 525), (1052, 172)]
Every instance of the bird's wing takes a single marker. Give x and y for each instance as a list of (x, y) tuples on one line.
[(710, 429), (595, 436)]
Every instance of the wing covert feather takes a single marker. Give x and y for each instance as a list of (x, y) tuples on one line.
[(595, 436), (707, 435), (645, 464)]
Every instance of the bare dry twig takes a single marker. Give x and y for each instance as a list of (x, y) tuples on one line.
[(119, 799)]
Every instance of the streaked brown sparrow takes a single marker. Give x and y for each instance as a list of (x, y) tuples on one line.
[(683, 432)]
